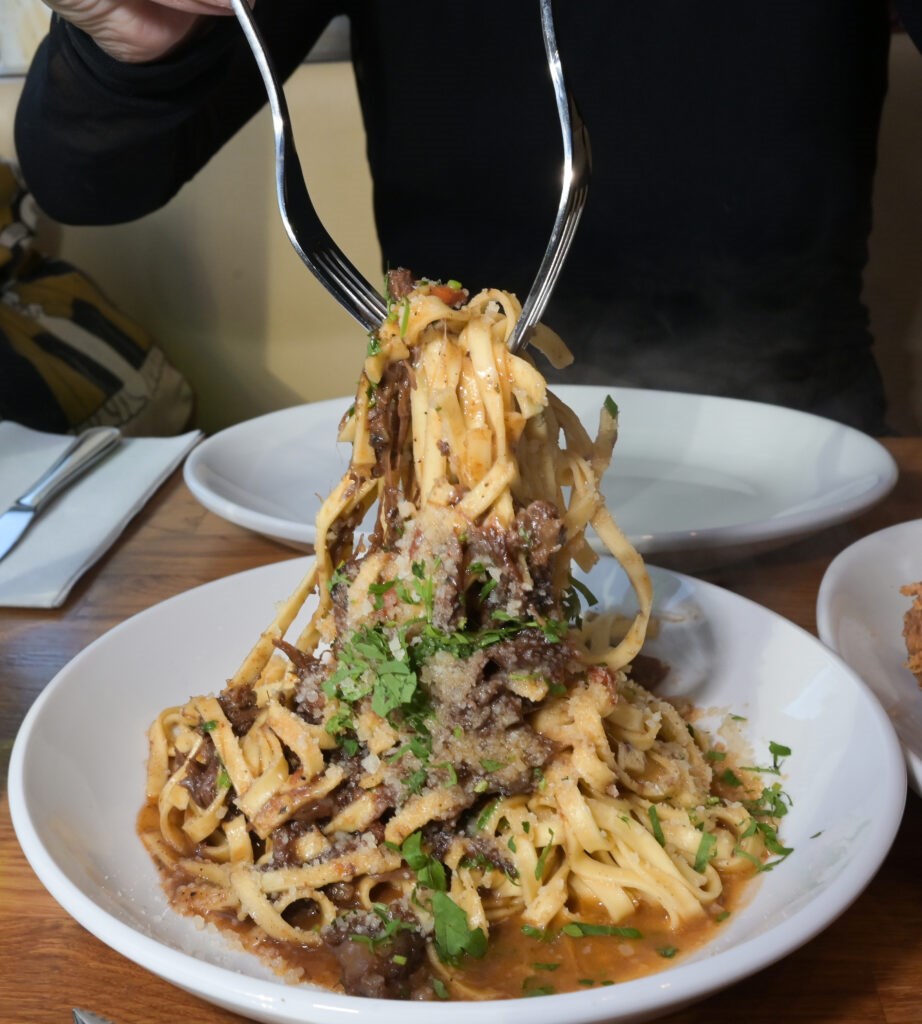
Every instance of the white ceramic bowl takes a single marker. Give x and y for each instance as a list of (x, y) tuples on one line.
[(77, 780), (859, 613)]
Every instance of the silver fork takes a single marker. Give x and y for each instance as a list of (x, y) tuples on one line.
[(311, 241), (329, 263), (577, 166)]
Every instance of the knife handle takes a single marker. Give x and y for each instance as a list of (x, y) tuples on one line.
[(86, 450)]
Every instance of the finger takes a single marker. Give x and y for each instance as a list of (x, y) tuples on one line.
[(198, 6)]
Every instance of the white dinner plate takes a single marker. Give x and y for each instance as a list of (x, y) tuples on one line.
[(859, 613), (77, 780), (694, 479)]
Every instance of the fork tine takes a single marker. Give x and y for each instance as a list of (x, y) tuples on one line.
[(577, 166), (305, 230)]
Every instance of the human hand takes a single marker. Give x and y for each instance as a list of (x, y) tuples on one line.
[(136, 31)]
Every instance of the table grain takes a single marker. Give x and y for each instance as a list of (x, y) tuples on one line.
[(866, 967)]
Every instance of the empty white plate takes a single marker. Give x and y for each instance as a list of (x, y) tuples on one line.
[(700, 478)]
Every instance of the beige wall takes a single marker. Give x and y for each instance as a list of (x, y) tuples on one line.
[(215, 278)]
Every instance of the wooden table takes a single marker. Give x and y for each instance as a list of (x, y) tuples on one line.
[(867, 967)]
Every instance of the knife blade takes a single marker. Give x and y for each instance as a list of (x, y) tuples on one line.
[(88, 1017), (85, 451)]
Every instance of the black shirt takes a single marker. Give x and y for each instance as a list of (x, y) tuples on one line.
[(733, 154)]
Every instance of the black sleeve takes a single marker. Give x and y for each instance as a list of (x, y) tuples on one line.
[(102, 142)]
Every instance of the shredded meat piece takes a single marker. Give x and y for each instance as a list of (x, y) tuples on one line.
[(539, 534), (522, 556), (648, 671), (441, 838), (400, 282), (202, 775), (380, 968), (239, 705), (531, 650), (342, 532)]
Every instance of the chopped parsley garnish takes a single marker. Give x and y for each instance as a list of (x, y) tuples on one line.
[(339, 723), (542, 858), (580, 929), (404, 317), (454, 936), (706, 850), (430, 872), (653, 815), (667, 951), (415, 781), (337, 578), (541, 990), (611, 407), (209, 726), (778, 752), (485, 815), (570, 601), (541, 934)]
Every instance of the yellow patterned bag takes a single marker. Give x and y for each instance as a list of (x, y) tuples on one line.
[(69, 358)]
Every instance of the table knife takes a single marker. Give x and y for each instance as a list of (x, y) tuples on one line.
[(88, 1017), (85, 451)]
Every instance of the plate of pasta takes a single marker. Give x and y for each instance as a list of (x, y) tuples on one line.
[(697, 479), (77, 781), (457, 756), (861, 613)]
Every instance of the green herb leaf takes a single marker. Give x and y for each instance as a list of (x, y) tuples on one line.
[(429, 871), (653, 815), (454, 937), (579, 929), (706, 850), (542, 857)]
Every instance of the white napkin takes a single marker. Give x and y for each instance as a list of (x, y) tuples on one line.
[(80, 524)]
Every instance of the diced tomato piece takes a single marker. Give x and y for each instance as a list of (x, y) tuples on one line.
[(450, 296)]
